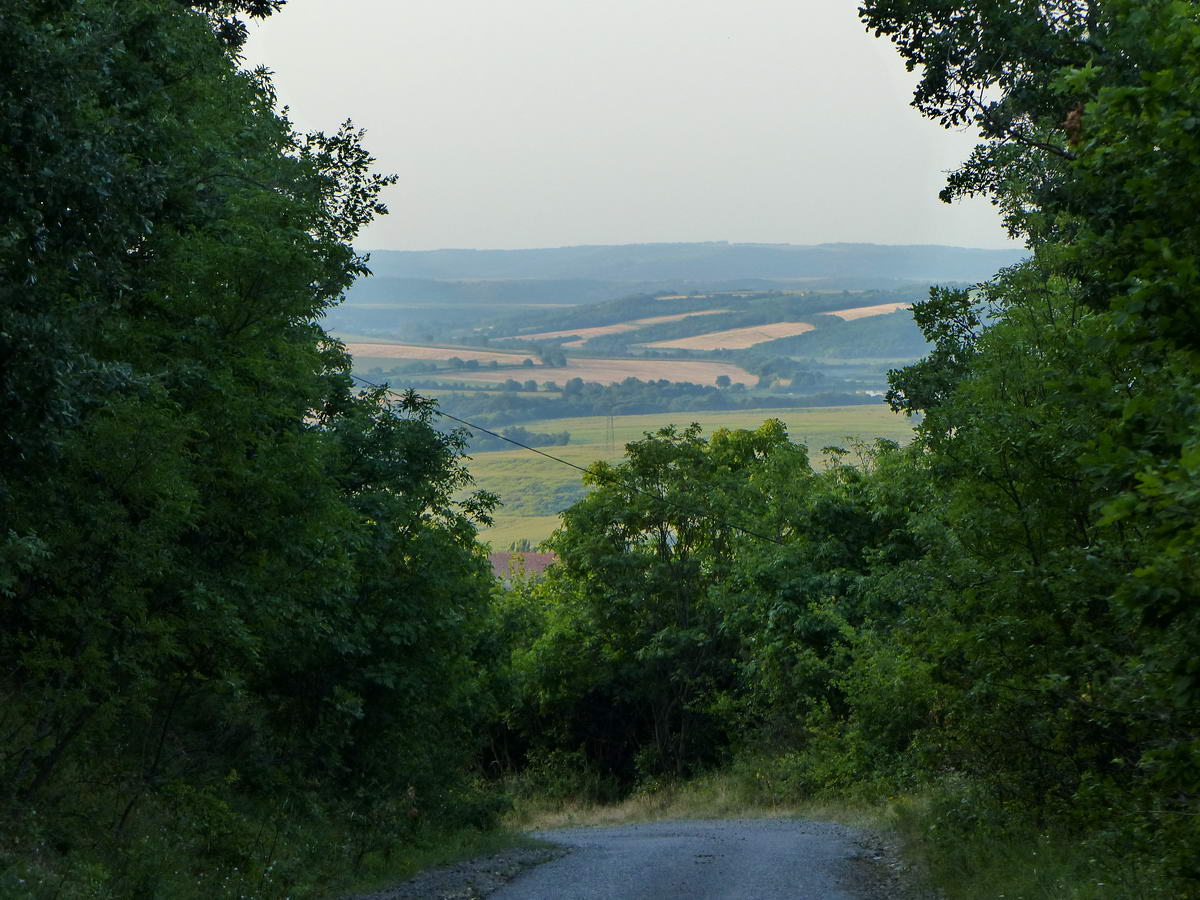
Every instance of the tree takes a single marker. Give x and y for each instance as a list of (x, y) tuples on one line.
[(226, 580), (637, 558), (1078, 510)]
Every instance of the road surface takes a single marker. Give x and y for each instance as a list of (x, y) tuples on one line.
[(749, 859)]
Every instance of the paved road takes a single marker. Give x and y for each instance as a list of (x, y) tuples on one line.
[(764, 859)]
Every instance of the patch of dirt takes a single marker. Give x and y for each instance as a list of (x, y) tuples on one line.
[(879, 872), (471, 879)]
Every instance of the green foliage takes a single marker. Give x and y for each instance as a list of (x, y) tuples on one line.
[(1063, 439), (630, 663), (242, 605)]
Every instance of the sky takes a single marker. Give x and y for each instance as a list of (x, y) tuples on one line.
[(545, 123)]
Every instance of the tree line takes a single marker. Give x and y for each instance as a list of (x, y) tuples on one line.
[(630, 397)]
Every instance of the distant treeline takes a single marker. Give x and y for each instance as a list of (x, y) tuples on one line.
[(480, 440), (630, 397)]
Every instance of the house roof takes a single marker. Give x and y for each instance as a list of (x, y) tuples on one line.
[(505, 564)]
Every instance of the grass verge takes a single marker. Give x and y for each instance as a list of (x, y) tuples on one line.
[(996, 860)]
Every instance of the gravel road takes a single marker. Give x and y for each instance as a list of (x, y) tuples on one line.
[(754, 859), (746, 859)]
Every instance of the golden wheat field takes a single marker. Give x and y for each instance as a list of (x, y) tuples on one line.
[(862, 312), (616, 328), (735, 338), (412, 351)]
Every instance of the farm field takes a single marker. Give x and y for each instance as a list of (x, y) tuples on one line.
[(413, 351), (534, 488), (735, 338), (616, 328), (862, 312)]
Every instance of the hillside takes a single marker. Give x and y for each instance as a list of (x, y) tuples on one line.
[(713, 261), (425, 295)]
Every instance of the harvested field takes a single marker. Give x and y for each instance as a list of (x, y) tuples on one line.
[(735, 338), (611, 371), (617, 328), (412, 351), (862, 312)]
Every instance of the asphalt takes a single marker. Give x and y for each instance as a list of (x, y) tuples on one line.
[(749, 859)]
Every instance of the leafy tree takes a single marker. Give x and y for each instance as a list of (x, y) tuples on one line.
[(637, 557), (1066, 432), (228, 583)]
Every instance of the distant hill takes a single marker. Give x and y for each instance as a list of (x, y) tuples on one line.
[(438, 295), (707, 262)]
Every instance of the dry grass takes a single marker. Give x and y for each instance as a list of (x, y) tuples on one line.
[(736, 338), (412, 351), (612, 371), (716, 796), (862, 312), (617, 328)]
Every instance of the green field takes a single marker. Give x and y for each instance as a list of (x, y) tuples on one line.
[(534, 488)]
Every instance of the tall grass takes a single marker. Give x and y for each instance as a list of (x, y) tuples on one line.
[(1016, 862), (311, 859)]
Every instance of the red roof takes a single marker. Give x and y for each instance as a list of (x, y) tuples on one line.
[(529, 563)]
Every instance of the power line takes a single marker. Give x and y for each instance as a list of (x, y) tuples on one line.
[(566, 462)]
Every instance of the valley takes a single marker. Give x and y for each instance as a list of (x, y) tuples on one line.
[(578, 351)]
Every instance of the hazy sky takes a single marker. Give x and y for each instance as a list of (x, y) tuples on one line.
[(541, 123)]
